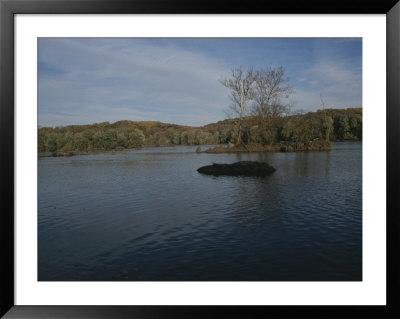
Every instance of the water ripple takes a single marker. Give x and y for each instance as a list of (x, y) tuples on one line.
[(148, 215)]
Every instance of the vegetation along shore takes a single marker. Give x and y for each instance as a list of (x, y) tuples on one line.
[(261, 120), (299, 132)]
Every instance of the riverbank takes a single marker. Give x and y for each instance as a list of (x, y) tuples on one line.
[(92, 152), (276, 147)]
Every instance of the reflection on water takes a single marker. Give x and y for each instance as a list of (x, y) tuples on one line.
[(149, 215)]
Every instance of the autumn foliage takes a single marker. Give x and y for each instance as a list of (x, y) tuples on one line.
[(327, 125)]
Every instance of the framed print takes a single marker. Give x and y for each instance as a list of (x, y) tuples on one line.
[(166, 159)]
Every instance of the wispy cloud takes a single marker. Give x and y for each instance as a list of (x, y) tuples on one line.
[(177, 80), (101, 81), (339, 86)]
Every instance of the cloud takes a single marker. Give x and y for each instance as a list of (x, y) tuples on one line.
[(339, 85), (89, 80), (103, 79)]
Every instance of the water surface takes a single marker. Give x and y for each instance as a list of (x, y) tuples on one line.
[(148, 215)]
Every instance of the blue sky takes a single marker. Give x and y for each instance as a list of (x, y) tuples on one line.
[(176, 80)]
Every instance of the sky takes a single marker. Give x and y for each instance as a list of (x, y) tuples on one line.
[(177, 80)]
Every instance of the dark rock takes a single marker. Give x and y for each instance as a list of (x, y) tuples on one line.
[(245, 168)]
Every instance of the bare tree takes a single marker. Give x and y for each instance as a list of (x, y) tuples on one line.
[(271, 87), (241, 86)]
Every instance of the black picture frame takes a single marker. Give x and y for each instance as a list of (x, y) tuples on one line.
[(8, 8)]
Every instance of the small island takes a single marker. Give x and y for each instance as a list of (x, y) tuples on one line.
[(244, 168)]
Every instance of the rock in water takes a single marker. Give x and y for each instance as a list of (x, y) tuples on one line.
[(245, 168)]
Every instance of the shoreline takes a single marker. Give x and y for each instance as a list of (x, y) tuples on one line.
[(249, 148), (93, 152), (276, 147)]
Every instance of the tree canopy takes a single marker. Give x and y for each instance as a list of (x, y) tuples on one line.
[(334, 124)]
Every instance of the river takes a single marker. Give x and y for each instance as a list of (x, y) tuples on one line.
[(148, 215)]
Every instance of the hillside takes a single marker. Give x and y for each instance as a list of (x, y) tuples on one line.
[(328, 125)]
